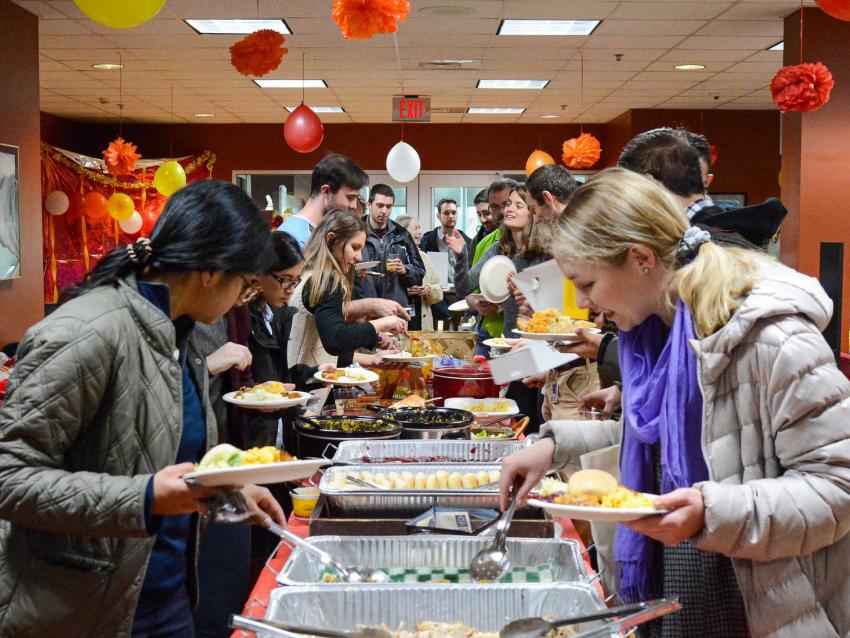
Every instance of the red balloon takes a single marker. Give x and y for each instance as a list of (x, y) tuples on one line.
[(839, 9), (149, 219), (76, 202), (303, 130), (95, 207)]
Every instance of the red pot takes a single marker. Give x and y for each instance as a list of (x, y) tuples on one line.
[(470, 382)]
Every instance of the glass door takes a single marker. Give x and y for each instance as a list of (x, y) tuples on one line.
[(461, 187), (406, 194)]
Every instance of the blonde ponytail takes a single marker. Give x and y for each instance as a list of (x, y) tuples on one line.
[(617, 209)]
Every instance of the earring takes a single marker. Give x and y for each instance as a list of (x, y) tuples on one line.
[(646, 271)]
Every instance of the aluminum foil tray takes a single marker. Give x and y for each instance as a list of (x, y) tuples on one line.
[(431, 551), (458, 451), (405, 502), (483, 607)]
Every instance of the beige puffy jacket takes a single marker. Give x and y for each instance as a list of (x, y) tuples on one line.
[(776, 437), (94, 409)]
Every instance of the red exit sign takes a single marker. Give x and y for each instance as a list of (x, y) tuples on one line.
[(411, 108)]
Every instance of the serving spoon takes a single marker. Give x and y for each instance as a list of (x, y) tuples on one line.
[(492, 562)]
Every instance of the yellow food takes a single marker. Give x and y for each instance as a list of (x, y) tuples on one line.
[(440, 480), (266, 454), (225, 456), (431, 629), (593, 488), (268, 391), (551, 321)]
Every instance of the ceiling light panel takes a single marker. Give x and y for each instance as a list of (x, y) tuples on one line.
[(291, 84), (512, 84), (478, 110), (547, 27), (237, 27), (320, 109)]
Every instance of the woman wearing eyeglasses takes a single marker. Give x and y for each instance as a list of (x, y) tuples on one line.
[(106, 411)]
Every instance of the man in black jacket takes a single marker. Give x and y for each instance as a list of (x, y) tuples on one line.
[(394, 249)]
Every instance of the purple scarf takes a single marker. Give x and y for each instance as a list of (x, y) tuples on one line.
[(662, 404)]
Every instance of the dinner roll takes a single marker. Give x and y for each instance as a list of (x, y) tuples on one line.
[(595, 482)]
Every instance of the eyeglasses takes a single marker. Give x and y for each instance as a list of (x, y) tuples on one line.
[(494, 207), (250, 290), (287, 283)]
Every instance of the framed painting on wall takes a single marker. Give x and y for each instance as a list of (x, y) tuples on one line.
[(729, 200), (10, 218)]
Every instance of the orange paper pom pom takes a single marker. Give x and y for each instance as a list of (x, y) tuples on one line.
[(362, 19), (802, 87), (259, 53), (712, 151), (120, 157), (582, 151)]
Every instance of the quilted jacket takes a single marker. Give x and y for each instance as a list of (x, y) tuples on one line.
[(776, 438), (94, 409)]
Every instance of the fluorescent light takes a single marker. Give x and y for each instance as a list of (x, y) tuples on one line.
[(549, 117), (291, 84), (204, 114), (237, 27), (107, 66), (689, 67), (477, 110), (779, 46), (320, 109), (547, 27), (512, 84)]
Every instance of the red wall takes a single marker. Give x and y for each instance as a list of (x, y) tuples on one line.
[(21, 299)]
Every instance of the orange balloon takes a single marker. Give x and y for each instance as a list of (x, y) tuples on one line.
[(537, 159), (95, 207)]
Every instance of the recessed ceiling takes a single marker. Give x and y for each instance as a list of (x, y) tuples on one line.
[(171, 72)]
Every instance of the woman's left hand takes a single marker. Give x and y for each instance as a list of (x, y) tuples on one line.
[(263, 506), (686, 519)]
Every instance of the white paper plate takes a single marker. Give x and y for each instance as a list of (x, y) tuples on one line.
[(406, 358), (366, 265), (493, 280), (303, 397), (257, 474), (463, 403), (492, 343), (553, 336), (369, 377), (609, 514), (459, 306)]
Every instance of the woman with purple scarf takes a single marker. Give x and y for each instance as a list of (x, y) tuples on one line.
[(734, 412)]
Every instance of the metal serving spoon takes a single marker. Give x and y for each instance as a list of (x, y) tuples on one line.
[(492, 562)]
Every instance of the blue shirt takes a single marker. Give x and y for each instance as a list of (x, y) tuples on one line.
[(167, 565), (299, 228)]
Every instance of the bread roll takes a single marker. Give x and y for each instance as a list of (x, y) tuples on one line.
[(455, 481), (483, 477), (594, 482), (421, 480), (442, 480), (409, 480), (470, 481), (431, 482), (494, 476)]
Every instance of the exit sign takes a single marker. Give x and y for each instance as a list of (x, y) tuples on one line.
[(411, 108)]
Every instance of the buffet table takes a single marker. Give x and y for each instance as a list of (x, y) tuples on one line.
[(259, 598)]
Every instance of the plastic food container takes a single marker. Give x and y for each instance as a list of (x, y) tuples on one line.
[(304, 500), (471, 382)]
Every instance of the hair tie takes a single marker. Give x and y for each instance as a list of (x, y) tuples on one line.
[(689, 246), (141, 251)]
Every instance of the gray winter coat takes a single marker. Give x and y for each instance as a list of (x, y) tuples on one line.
[(776, 438), (94, 409)]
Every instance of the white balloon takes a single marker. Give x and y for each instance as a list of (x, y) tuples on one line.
[(56, 203), (132, 224), (403, 162)]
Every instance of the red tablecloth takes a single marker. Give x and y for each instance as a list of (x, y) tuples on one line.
[(259, 599)]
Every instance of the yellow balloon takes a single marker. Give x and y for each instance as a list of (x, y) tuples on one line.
[(120, 206), (169, 178), (120, 14)]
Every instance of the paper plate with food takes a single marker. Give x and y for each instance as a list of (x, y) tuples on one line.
[(592, 495), (228, 465), (551, 325), (407, 357), (268, 395), (365, 265), (500, 343), (347, 376), (484, 407)]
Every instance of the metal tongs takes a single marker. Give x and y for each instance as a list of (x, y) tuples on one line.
[(284, 630)]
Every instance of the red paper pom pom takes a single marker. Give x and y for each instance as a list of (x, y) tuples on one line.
[(120, 157), (259, 53), (582, 151), (802, 87), (362, 19)]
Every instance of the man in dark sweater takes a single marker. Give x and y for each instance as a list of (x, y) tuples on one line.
[(434, 241)]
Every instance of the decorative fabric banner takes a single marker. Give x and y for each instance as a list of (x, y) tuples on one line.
[(71, 244)]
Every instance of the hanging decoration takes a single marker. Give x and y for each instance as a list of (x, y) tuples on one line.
[(259, 53), (537, 159), (120, 14), (120, 157), (712, 152), (72, 244), (582, 151), (95, 207), (169, 178), (303, 130), (403, 162), (839, 9), (363, 19), (802, 87), (57, 203)]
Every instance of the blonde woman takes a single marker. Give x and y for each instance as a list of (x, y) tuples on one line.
[(330, 256), (430, 292), (734, 411)]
